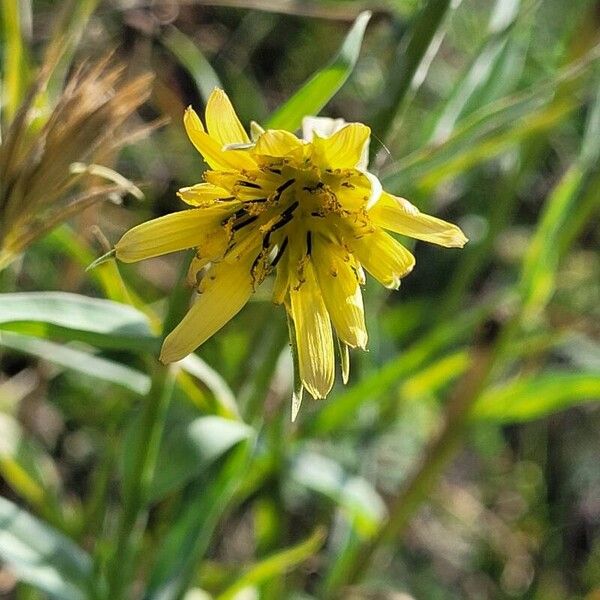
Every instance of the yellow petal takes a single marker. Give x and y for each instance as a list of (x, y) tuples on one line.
[(177, 231), (313, 335), (399, 215), (203, 194), (345, 149), (382, 256), (222, 122), (225, 289), (277, 143), (281, 284), (212, 149), (341, 292)]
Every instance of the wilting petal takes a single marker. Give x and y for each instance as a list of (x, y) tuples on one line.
[(385, 258), (321, 126), (222, 122), (225, 289), (399, 215), (341, 292), (277, 143), (212, 149), (345, 149), (178, 231), (203, 194), (313, 335)]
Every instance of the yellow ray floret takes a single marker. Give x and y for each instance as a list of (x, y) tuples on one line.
[(305, 210)]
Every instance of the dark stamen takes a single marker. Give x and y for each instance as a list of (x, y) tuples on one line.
[(283, 187), (249, 184), (285, 219), (290, 209), (273, 170), (319, 185), (239, 225), (308, 243), (280, 252)]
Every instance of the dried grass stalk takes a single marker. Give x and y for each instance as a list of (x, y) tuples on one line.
[(39, 188)]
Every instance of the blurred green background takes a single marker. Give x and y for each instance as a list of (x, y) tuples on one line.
[(463, 458)]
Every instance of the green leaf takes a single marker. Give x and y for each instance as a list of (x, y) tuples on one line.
[(26, 467), (320, 89), (412, 60), (531, 398), (190, 448), (71, 317), (78, 360), (540, 264), (41, 556), (484, 64), (275, 565), (189, 535), (194, 62)]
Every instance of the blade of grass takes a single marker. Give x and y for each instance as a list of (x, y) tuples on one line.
[(275, 565), (15, 63), (411, 62), (318, 91), (478, 74), (191, 58), (493, 128)]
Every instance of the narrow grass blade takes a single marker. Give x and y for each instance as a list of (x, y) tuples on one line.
[(320, 89), (191, 58), (275, 565), (529, 398), (414, 53)]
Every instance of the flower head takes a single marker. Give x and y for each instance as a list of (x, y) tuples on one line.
[(305, 210)]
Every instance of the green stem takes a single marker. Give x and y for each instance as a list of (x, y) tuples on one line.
[(138, 479), (439, 452), (135, 513)]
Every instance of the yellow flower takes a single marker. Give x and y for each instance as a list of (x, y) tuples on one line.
[(306, 210)]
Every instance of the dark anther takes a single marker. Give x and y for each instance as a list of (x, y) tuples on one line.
[(285, 219), (249, 184), (239, 225), (308, 243), (318, 186), (273, 170), (283, 187), (290, 209), (317, 214), (280, 252)]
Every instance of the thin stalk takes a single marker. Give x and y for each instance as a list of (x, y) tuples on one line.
[(439, 452), (135, 513), (138, 479)]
